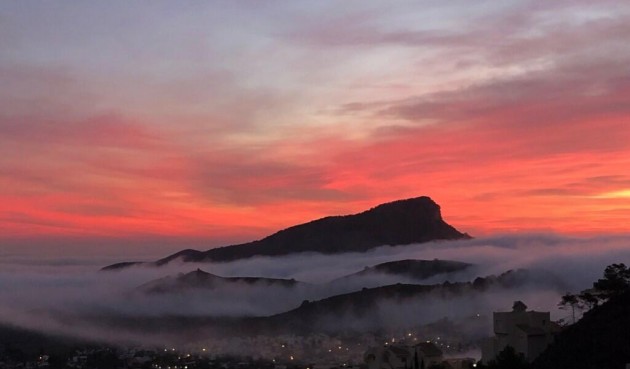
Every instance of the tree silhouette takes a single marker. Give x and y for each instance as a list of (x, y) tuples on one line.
[(416, 365), (572, 302), (616, 281), (508, 358)]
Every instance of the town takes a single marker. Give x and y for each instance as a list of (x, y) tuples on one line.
[(319, 351)]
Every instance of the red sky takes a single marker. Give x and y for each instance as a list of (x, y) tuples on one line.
[(220, 121)]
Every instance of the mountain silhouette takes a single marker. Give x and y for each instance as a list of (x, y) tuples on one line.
[(199, 279), (412, 269), (401, 222), (366, 305)]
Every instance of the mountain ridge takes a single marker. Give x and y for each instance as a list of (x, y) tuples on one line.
[(315, 316), (417, 269), (401, 222), (199, 279)]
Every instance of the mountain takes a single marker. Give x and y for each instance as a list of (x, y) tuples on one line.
[(380, 306), (400, 222), (352, 311), (413, 269), (199, 279), (365, 310), (599, 340)]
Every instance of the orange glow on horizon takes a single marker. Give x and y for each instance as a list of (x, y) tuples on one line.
[(574, 193)]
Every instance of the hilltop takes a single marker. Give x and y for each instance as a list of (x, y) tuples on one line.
[(199, 279), (411, 268)]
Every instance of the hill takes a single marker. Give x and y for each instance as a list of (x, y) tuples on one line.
[(413, 269), (400, 222), (380, 307), (343, 312), (199, 279), (366, 310), (599, 340), (18, 345)]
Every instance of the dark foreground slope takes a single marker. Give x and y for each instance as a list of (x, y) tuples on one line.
[(400, 222), (20, 343), (600, 340)]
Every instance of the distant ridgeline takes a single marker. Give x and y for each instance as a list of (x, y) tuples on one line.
[(400, 222), (201, 280)]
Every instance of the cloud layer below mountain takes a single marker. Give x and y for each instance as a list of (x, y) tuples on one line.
[(63, 297)]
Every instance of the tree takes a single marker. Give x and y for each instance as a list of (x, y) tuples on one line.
[(508, 358), (104, 359), (416, 365), (588, 300), (616, 281), (570, 301)]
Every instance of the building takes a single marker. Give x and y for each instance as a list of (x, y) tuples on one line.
[(420, 356), (528, 332)]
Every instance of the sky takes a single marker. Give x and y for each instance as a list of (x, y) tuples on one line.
[(137, 128)]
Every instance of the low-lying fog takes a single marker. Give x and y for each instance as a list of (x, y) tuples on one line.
[(45, 295)]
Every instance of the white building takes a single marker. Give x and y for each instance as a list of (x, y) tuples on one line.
[(528, 332)]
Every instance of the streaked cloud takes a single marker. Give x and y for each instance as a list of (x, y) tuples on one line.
[(621, 194)]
